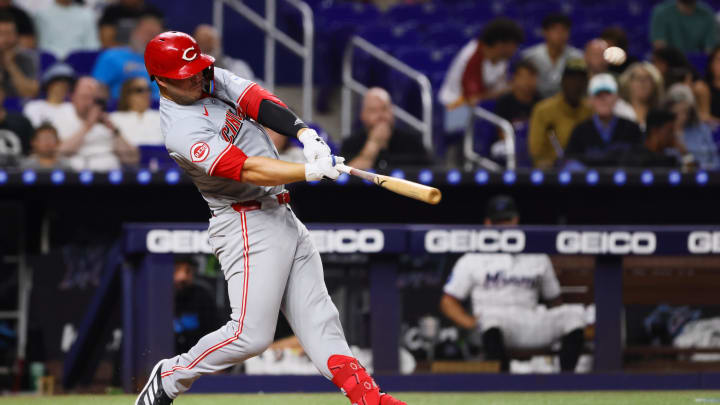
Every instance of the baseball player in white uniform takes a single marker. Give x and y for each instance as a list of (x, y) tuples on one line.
[(213, 124), (505, 290)]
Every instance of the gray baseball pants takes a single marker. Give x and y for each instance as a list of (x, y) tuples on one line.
[(270, 265)]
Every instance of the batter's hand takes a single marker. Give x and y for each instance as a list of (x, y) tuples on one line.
[(314, 147), (323, 167)]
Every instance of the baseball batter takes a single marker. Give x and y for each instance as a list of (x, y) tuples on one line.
[(213, 124), (505, 290)]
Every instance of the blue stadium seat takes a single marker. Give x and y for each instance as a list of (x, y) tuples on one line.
[(155, 156), (13, 104), (47, 59), (82, 61), (699, 61)]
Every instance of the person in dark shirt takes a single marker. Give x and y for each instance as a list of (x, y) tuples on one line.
[(25, 26), (15, 134), (598, 140), (517, 105), (18, 66), (118, 20), (195, 310), (660, 140), (380, 144)]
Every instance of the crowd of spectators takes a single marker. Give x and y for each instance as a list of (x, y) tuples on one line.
[(570, 108), (582, 109)]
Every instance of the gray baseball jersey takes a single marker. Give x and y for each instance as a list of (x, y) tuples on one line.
[(204, 138), (266, 254)]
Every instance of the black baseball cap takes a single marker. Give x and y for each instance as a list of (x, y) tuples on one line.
[(501, 208)]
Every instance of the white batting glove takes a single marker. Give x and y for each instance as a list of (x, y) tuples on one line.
[(323, 167), (314, 147)]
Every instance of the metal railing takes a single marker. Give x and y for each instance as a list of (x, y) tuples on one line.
[(273, 34), (469, 141), (350, 85)]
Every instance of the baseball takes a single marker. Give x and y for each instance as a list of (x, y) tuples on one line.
[(614, 55)]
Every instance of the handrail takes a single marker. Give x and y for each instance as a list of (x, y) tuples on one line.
[(469, 140), (272, 34), (350, 85)]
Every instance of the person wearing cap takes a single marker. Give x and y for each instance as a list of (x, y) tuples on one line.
[(56, 84), (506, 290), (694, 137), (553, 119), (551, 56), (195, 309), (598, 140)]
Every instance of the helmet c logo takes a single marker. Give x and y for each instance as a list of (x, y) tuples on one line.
[(189, 57)]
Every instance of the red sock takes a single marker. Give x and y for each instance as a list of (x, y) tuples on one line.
[(356, 384), (353, 380)]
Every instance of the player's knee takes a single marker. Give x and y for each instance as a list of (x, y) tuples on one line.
[(259, 344)]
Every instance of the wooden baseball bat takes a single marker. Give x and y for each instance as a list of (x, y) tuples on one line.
[(420, 192)]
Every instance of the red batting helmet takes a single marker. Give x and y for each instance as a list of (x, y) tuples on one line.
[(175, 55)]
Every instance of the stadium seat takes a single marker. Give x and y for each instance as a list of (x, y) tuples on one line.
[(699, 61), (46, 60), (13, 104), (82, 61), (155, 157)]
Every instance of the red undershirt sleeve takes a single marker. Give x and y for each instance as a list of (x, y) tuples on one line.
[(229, 163)]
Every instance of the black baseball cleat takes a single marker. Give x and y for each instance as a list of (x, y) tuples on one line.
[(153, 393)]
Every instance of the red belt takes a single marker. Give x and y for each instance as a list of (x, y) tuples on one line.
[(252, 205)]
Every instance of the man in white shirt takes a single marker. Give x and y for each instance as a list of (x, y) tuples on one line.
[(66, 26), (57, 82), (505, 290), (550, 56), (88, 137)]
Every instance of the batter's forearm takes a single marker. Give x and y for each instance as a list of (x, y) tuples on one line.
[(264, 171), (455, 312)]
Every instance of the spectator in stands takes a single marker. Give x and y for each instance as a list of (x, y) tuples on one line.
[(88, 137), (676, 68), (44, 153), (18, 66), (65, 27), (551, 56), (598, 141), (195, 310), (695, 135), (118, 21), (641, 89), (479, 70), (506, 290), (56, 84), (114, 66), (660, 146), (134, 117), (288, 151), (15, 134), (616, 36), (552, 120), (516, 105), (23, 23), (208, 39), (594, 57), (380, 144), (712, 80), (687, 25)]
